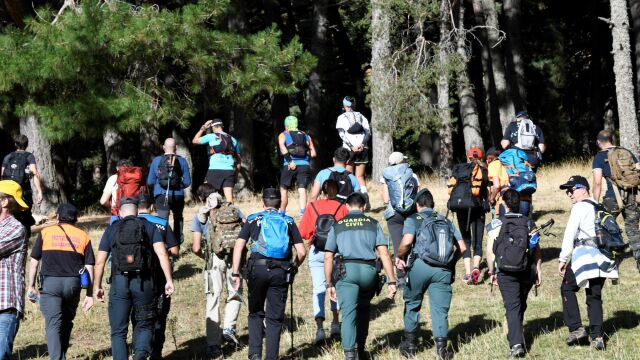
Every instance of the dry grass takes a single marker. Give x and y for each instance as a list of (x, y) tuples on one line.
[(475, 318)]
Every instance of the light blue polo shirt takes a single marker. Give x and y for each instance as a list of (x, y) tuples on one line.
[(324, 174)]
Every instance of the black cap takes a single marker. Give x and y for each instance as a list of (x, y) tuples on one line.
[(493, 151), (576, 181), (128, 201), (146, 199), (523, 114), (67, 212), (270, 193)]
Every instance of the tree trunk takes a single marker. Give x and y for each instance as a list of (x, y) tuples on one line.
[(468, 107), (183, 150), (150, 143), (635, 31), (622, 69), (345, 47), (505, 103), (41, 149), (113, 147), (515, 59), (382, 143), (446, 143), (15, 8)]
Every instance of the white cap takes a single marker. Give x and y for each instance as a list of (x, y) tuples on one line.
[(396, 158)]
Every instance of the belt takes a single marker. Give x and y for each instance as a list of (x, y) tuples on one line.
[(585, 242), (9, 311), (267, 262), (360, 261)]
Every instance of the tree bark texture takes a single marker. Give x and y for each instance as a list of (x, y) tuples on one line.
[(512, 17), (150, 143), (382, 143), (623, 72), (183, 150), (634, 10), (468, 107), (446, 143), (15, 8), (113, 147)]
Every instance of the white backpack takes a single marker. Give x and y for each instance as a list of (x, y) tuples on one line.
[(526, 135)]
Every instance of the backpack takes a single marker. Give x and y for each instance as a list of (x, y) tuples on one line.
[(273, 241), (170, 172), (345, 188), (465, 187), (435, 241), (511, 247), (402, 187), (296, 143), (608, 233), (623, 168), (225, 146), (131, 249), (130, 184), (526, 135), (324, 223), (355, 123), (521, 176), (224, 226), (18, 169)]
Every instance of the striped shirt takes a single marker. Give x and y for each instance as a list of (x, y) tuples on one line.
[(13, 250)]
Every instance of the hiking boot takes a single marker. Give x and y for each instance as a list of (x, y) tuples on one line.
[(229, 335), (320, 337), (516, 351), (214, 351), (351, 354), (467, 279), (576, 336), (408, 346), (255, 357), (442, 352), (475, 276), (598, 343), (335, 330)]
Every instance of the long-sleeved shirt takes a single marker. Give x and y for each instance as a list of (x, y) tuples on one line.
[(152, 178), (348, 119), (581, 225), (13, 251)]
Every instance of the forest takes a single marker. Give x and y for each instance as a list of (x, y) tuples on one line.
[(93, 81)]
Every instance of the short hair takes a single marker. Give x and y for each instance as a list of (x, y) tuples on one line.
[(511, 199), (341, 154), (204, 190), (425, 199), (605, 136), (330, 188), (145, 202), (128, 209), (356, 199), (13, 204), (21, 141), (124, 163), (271, 202)]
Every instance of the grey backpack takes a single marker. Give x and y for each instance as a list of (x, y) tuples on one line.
[(435, 242)]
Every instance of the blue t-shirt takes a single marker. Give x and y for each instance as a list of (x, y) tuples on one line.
[(600, 161), (324, 174), (152, 178), (287, 141), (153, 234), (220, 161)]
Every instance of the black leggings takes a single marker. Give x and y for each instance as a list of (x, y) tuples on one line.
[(471, 224)]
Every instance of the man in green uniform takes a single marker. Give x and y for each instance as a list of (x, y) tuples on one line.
[(356, 238), (436, 245)]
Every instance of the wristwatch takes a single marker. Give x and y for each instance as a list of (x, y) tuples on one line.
[(391, 283), (235, 274)]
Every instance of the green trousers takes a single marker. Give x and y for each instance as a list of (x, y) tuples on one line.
[(435, 280), (354, 293)]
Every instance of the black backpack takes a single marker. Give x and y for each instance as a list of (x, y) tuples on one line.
[(608, 234), (225, 146), (345, 188), (511, 247), (170, 172), (18, 168), (324, 223), (461, 197), (131, 249), (298, 147)]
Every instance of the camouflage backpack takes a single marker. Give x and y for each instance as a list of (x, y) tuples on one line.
[(224, 226), (623, 168)]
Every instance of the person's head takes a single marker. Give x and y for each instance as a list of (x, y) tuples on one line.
[(123, 163), (271, 198), (67, 213), (577, 188), (340, 156), (11, 196), (522, 115), (128, 206), (349, 103), (21, 142), (396, 158), (145, 203), (217, 125), (511, 200), (169, 146), (474, 154), (204, 190), (424, 200), (291, 123), (604, 139), (356, 201), (492, 154), (330, 189)]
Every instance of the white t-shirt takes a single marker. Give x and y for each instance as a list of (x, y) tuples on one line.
[(581, 225), (345, 121), (112, 187)]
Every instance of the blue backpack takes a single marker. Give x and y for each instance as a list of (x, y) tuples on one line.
[(521, 177), (402, 187), (273, 241)]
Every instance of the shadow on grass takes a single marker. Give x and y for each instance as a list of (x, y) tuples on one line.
[(549, 253), (297, 322), (197, 348), (465, 332), (310, 350), (186, 271), (31, 351), (381, 307), (541, 326), (393, 340), (622, 319), (537, 214)]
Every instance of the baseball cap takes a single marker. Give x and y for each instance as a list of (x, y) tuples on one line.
[(396, 157), (270, 193), (217, 122), (67, 212), (522, 114), (12, 188), (128, 201), (577, 182), (474, 153)]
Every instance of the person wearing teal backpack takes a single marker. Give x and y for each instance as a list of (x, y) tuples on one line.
[(270, 271)]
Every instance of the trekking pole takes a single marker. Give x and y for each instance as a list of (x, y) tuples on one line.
[(291, 316)]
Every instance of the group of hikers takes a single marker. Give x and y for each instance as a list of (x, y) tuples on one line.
[(347, 250)]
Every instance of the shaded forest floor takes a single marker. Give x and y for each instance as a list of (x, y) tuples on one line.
[(475, 320)]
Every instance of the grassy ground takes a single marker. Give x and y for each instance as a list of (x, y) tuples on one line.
[(476, 317)]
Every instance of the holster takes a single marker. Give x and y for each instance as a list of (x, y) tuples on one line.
[(382, 279), (339, 269)]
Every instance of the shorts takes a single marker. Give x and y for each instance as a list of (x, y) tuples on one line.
[(359, 157), (220, 178), (302, 173)]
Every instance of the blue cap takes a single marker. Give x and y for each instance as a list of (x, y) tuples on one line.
[(346, 102)]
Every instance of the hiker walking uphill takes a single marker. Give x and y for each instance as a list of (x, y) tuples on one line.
[(20, 166), (515, 265), (318, 218), (523, 134), (126, 182), (67, 267), (620, 169), (512, 170), (352, 272), (432, 246), (582, 242), (169, 176), (347, 183), (132, 242), (270, 271), (296, 148), (214, 230), (13, 249), (224, 157), (468, 200)]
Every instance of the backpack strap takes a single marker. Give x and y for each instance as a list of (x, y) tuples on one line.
[(338, 208), (314, 209), (69, 239)]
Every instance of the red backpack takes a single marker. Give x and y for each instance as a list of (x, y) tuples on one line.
[(130, 184)]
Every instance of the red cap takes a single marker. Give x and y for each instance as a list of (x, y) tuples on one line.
[(474, 153)]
